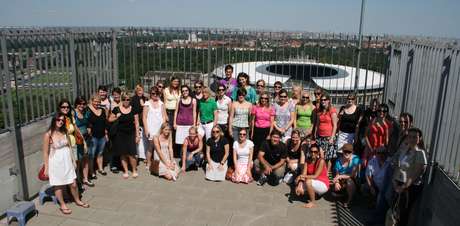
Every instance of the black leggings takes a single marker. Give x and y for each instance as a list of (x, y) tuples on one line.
[(414, 191)]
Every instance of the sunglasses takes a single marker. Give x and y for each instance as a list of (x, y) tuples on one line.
[(258, 85), (197, 87), (126, 99), (65, 107), (60, 120), (317, 94), (154, 94), (324, 99), (305, 97), (215, 131), (283, 96), (221, 89), (185, 90), (242, 134), (277, 87)]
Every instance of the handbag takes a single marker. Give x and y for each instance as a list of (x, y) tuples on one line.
[(79, 140), (155, 167), (41, 174)]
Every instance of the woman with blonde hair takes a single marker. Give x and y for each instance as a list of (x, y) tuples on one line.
[(97, 130), (208, 115), (296, 94), (192, 150), (303, 114), (126, 136), (164, 156), (217, 149), (137, 102)]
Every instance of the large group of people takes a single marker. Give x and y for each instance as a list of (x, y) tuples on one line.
[(241, 134)]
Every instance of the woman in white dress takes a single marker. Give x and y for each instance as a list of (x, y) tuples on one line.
[(59, 162), (153, 116), (242, 157), (167, 167)]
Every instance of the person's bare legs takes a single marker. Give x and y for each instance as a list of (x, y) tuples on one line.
[(85, 168), (311, 194), (133, 164), (351, 188), (148, 157), (100, 161), (124, 164), (58, 192), (76, 195)]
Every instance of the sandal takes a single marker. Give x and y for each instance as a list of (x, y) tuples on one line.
[(125, 176), (135, 175), (65, 211), (83, 205), (102, 172), (88, 183)]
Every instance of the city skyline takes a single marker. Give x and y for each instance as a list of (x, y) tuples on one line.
[(422, 18)]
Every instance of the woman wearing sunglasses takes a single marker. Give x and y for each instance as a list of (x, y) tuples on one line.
[(224, 104), (98, 131), (263, 117), (60, 163), (153, 116), (377, 133), (81, 116), (349, 120), (217, 150), (303, 114), (126, 137), (242, 158), (314, 179), (284, 115), (345, 173)]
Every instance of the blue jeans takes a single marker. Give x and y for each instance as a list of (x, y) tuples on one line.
[(97, 147), (197, 159)]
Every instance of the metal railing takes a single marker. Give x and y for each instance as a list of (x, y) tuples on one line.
[(423, 79)]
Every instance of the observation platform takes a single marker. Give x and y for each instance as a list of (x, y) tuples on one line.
[(148, 200)]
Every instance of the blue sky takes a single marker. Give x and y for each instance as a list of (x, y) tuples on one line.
[(438, 18)]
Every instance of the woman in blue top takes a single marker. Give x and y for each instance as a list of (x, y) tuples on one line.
[(81, 116), (243, 82), (346, 170)]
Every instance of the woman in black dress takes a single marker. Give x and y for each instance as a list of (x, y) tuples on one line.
[(126, 137)]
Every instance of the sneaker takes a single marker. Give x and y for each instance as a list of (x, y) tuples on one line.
[(262, 180), (288, 178)]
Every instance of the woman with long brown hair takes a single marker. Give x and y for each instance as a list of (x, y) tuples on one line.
[(59, 162)]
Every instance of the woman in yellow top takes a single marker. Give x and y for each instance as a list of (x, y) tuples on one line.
[(171, 97)]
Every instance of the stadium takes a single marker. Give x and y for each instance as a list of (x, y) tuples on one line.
[(338, 80)]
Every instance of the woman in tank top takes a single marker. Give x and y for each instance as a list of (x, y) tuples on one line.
[(154, 114), (185, 115), (239, 114), (192, 150), (314, 179), (349, 119), (303, 117), (224, 104)]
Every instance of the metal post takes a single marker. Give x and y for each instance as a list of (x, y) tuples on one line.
[(360, 38), (73, 66), (20, 169)]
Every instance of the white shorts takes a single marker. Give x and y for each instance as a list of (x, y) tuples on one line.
[(181, 133), (204, 130), (318, 186), (344, 138)]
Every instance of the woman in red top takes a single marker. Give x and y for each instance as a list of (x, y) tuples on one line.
[(325, 128), (377, 133), (314, 178)]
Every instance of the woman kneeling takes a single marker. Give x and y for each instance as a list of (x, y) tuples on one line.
[(314, 178)]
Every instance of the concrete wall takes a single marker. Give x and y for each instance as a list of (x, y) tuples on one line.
[(32, 135), (440, 203)]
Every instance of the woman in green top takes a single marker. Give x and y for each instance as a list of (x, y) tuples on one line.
[(303, 116)]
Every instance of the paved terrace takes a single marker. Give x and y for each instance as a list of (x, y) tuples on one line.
[(191, 200)]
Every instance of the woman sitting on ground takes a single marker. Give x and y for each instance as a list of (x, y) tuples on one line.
[(295, 157), (346, 170), (163, 156), (217, 149), (314, 178), (192, 150), (242, 158)]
